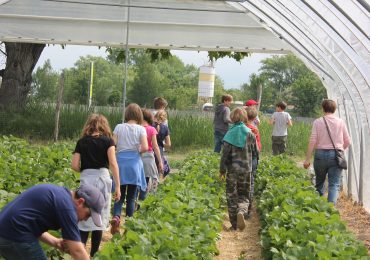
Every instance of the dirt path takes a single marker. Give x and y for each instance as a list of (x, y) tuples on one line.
[(357, 219), (240, 244)]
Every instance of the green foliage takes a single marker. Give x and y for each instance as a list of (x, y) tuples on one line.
[(268, 96), (285, 77), (118, 55), (37, 122), (189, 129), (307, 94), (146, 86), (180, 221), (296, 222), (45, 83), (238, 56), (282, 71), (24, 165)]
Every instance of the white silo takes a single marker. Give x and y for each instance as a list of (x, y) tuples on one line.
[(206, 85)]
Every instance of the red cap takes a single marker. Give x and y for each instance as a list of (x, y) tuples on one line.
[(251, 102)]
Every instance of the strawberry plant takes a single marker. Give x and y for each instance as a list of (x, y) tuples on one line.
[(296, 222), (181, 221)]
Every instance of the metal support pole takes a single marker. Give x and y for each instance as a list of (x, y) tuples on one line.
[(352, 165), (362, 167), (126, 62)]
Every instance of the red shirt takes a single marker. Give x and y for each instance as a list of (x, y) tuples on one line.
[(256, 133)]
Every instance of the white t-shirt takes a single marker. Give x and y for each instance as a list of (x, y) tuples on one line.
[(281, 123), (128, 136)]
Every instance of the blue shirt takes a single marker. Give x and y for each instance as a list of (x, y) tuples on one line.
[(163, 132), (39, 209)]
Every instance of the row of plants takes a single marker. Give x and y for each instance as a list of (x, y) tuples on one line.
[(296, 222), (23, 165), (181, 221)]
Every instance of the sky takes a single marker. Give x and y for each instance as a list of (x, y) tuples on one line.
[(233, 73)]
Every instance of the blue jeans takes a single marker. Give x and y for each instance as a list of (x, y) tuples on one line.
[(219, 136), (21, 251), (143, 194), (130, 196), (325, 164)]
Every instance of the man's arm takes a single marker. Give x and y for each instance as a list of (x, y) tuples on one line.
[(51, 240), (76, 249)]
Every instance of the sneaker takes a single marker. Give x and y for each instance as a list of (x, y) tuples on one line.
[(227, 228), (115, 223), (240, 222)]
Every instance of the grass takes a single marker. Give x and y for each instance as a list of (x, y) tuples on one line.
[(190, 130)]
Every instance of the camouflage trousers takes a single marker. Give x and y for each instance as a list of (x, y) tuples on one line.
[(238, 194)]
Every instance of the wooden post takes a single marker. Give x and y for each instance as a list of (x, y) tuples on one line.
[(259, 96), (58, 106)]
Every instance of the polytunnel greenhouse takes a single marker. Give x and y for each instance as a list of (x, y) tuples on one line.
[(330, 37)]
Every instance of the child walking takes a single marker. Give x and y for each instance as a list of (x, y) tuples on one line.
[(280, 120), (163, 138), (252, 115), (150, 167), (131, 141), (159, 104), (93, 156), (239, 144)]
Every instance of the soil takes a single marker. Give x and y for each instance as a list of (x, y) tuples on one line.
[(240, 244), (356, 217)]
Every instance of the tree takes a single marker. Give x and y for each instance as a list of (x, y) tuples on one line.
[(268, 91), (44, 84), (307, 93), (21, 59), (146, 86), (107, 81), (251, 88), (282, 71)]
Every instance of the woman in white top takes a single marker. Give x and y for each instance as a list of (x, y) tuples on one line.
[(131, 141)]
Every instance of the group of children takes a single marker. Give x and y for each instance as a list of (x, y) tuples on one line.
[(134, 153), (240, 154)]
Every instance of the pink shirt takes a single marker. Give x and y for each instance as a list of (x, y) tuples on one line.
[(150, 131), (338, 132)]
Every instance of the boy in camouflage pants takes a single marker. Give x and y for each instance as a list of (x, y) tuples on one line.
[(236, 160)]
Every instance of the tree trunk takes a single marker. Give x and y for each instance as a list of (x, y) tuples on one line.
[(17, 78)]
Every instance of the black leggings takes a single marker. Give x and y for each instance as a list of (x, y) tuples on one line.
[(96, 237)]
